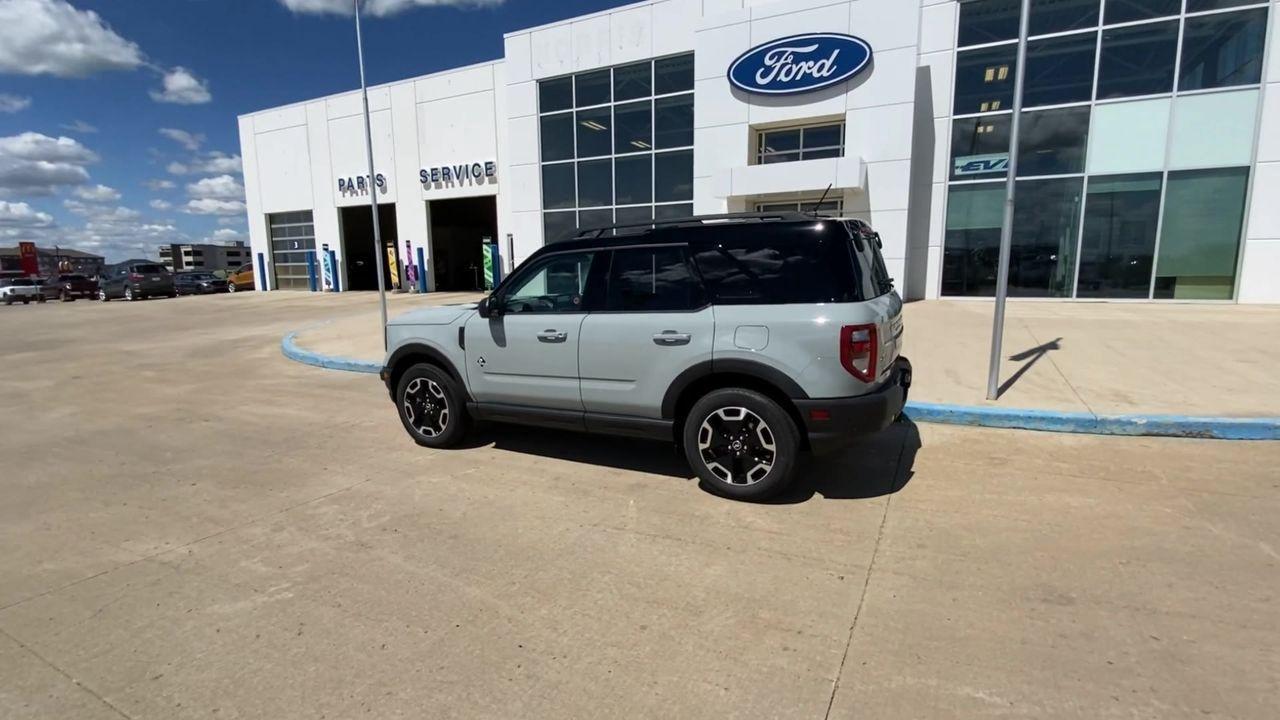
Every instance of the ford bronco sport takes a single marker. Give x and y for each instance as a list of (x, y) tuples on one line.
[(745, 339)]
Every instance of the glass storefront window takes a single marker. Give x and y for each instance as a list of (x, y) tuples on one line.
[(1200, 234), (595, 183), (1052, 142), (555, 94), (1202, 5), (980, 147), (1052, 16), (673, 176), (1223, 49), (792, 144), (1119, 11), (632, 81), (591, 88), (557, 186), (667, 212), (637, 214), (633, 127), (635, 179), (1128, 137), (595, 218), (1060, 70), (1213, 129), (985, 21), (984, 79), (673, 122), (293, 239), (673, 75), (972, 243), (1121, 215), (1137, 60), (1046, 223), (557, 137), (556, 226), (593, 132)]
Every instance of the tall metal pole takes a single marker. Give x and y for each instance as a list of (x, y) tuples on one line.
[(373, 180), (1006, 228)]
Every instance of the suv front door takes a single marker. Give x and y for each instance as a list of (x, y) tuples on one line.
[(655, 323), (526, 352)]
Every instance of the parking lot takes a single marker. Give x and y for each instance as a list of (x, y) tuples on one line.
[(192, 525)]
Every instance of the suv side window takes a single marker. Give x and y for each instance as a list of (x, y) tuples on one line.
[(651, 279), (776, 264), (555, 284)]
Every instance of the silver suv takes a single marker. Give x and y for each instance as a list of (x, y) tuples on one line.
[(745, 339)]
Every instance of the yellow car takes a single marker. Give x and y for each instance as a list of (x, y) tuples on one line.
[(241, 278)]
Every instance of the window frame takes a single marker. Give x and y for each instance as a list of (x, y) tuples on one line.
[(763, 133), (702, 295), (590, 285)]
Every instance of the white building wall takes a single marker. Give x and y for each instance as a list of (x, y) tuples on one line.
[(1260, 261)]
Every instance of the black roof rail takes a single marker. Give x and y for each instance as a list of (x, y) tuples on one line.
[(591, 233)]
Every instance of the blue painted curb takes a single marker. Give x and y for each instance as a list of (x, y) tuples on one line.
[(1218, 428), (290, 348)]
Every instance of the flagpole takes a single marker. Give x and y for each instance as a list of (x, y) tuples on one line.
[(373, 180), (1006, 227)]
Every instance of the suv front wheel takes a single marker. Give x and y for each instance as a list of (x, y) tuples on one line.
[(431, 406), (741, 444)]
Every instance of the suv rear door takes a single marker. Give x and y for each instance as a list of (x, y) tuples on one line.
[(654, 322)]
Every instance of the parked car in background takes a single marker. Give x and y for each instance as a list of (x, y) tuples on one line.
[(68, 287), (241, 278), (198, 283), (137, 281), (19, 289)]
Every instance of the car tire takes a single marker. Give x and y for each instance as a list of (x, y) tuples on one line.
[(65, 296), (432, 406), (128, 294), (41, 298), (231, 287), (741, 444), (8, 299), (173, 294), (102, 296)]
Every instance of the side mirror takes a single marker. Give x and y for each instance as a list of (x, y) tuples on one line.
[(489, 308), (879, 244)]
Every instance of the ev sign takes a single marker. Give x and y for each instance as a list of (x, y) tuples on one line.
[(981, 164), (799, 63)]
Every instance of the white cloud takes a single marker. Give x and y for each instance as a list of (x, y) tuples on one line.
[(79, 126), (231, 220), (158, 204), (214, 206), (36, 164), (378, 8), (50, 37), (22, 215), (97, 193), (13, 103), (159, 184), (223, 187), (101, 213), (211, 163), (182, 87), (188, 140), (223, 236)]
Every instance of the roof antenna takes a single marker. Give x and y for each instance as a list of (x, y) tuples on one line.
[(824, 197)]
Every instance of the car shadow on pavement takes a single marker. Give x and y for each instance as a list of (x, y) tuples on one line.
[(871, 467)]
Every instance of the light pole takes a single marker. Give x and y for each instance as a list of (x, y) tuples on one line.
[(1006, 227), (373, 180)]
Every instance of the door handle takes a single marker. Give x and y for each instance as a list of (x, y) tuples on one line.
[(671, 338), (552, 336)]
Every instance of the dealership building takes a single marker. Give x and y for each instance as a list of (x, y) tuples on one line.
[(1148, 163)]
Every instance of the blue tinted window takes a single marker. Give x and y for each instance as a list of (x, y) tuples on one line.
[(1137, 60), (1051, 16), (984, 79), (1060, 70), (984, 21), (1052, 142), (1223, 50), (1119, 11)]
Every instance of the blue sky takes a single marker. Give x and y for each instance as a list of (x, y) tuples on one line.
[(118, 117)]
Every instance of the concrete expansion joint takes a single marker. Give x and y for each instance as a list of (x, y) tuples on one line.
[(1089, 423)]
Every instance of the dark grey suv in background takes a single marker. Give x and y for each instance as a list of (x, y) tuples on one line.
[(137, 281)]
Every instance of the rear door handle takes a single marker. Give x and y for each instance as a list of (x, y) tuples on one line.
[(552, 336), (671, 337)]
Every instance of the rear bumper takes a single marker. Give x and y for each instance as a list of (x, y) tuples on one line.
[(847, 418)]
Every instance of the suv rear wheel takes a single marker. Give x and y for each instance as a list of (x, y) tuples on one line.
[(431, 406), (741, 444)]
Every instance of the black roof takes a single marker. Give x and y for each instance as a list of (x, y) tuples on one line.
[(641, 233)]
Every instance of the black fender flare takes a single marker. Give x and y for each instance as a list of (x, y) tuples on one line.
[(736, 366), (412, 350)]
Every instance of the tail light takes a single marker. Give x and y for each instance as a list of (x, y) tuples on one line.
[(858, 349), (135, 276)]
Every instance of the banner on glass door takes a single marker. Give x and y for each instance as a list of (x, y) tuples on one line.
[(980, 164)]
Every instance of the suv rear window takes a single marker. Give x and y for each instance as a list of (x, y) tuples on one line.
[(149, 269), (775, 263), (868, 257)]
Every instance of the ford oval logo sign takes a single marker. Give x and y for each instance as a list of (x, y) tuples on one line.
[(800, 63)]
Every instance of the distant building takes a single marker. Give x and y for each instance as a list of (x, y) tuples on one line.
[(207, 257), (54, 260)]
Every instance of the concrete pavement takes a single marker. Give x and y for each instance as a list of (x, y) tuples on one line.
[(194, 526)]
